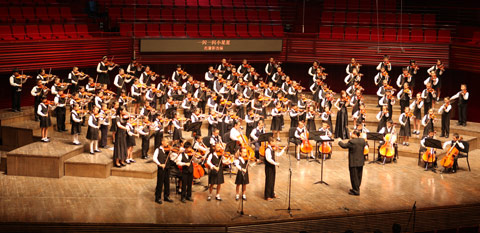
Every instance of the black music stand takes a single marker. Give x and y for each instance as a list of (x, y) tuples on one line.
[(193, 127), (432, 143), (375, 137), (289, 208), (323, 139), (264, 137), (314, 135)]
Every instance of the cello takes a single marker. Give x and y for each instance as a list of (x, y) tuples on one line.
[(387, 150), (448, 160), (306, 147)]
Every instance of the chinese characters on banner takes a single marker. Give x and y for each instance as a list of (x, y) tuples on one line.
[(214, 45)]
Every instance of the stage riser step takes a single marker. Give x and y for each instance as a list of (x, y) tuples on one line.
[(134, 174), (88, 170)]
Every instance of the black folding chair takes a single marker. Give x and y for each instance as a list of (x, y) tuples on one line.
[(464, 154)]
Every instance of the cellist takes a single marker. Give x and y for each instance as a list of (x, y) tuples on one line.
[(423, 149), (325, 131), (456, 141), (390, 129), (300, 136)]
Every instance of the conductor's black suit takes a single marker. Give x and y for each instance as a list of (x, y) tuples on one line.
[(356, 160)]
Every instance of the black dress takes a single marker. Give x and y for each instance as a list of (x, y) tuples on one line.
[(75, 125), (405, 130), (276, 121), (429, 127), (45, 121), (311, 123), (417, 112), (215, 177), (130, 139), (113, 128), (341, 130), (382, 123), (92, 133), (242, 178), (120, 145)]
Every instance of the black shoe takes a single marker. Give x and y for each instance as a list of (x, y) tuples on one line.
[(352, 192), (189, 199), (442, 135), (167, 199), (159, 201), (183, 200)]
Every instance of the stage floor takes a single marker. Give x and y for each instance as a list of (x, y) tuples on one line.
[(389, 187)]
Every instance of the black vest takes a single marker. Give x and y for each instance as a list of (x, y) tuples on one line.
[(268, 164), (186, 159)]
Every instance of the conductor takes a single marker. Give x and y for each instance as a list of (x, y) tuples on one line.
[(356, 160)]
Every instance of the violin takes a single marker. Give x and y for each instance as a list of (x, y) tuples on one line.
[(151, 73), (346, 99), (111, 63), (449, 159), (432, 116), (140, 85), (431, 90), (23, 76), (108, 92), (192, 99), (64, 96), (246, 66), (280, 109), (299, 88), (415, 67), (410, 114), (464, 92), (356, 64), (441, 67), (182, 72), (384, 73), (281, 73), (43, 87), (264, 98)]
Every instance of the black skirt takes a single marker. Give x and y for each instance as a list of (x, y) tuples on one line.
[(45, 122), (120, 145), (131, 141), (76, 129), (405, 130), (92, 133), (177, 134), (276, 123), (417, 113), (137, 99), (215, 177), (311, 125), (242, 178), (114, 127)]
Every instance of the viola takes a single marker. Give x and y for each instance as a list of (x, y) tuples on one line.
[(447, 161), (306, 147)]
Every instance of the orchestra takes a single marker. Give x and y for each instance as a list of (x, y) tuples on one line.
[(225, 97)]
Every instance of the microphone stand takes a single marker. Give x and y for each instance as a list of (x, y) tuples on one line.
[(414, 211), (241, 213), (289, 208)]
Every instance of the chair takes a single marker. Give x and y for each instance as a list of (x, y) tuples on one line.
[(404, 35), (153, 30), (29, 14), (45, 31), (140, 31), (192, 30), (204, 30), (54, 14), (58, 31), (4, 15), (417, 35), (167, 14), (339, 17), (204, 15), (18, 32), (263, 15), (443, 36), (267, 30), (463, 154), (325, 32), (125, 29), (240, 15), (415, 19), (229, 30), (430, 35), (216, 3), (192, 3), (364, 18), (179, 30), (275, 16), (16, 13), (429, 19), (204, 3), (327, 17), (337, 33), (252, 15), (192, 15), (70, 31), (169, 3), (217, 30), (352, 18), (166, 30), (229, 15), (216, 15), (83, 32), (363, 34), (32, 32), (350, 33), (155, 14), (254, 30), (390, 34), (278, 31), (66, 13), (6, 33), (292, 139), (242, 30), (179, 14)]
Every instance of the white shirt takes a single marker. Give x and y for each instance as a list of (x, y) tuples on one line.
[(443, 109), (235, 134)]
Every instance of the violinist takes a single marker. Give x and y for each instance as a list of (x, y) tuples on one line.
[(356, 101), (151, 97), (240, 86), (325, 131), (76, 117), (224, 67), (189, 86), (187, 106), (404, 95), (136, 95), (381, 76), (413, 68), (277, 120), (120, 144), (341, 125), (382, 91), (271, 66), (385, 64), (44, 77), (100, 99), (319, 75), (179, 75), (132, 133), (90, 87), (241, 163), (302, 105), (161, 95), (270, 168), (240, 105), (16, 82), (317, 91), (212, 122), (113, 115), (148, 76), (405, 77), (313, 69), (429, 153), (457, 143), (389, 129), (92, 130), (44, 115), (310, 116), (218, 84), (382, 118), (105, 116), (279, 77), (74, 77), (445, 111), (404, 120), (327, 101), (360, 115), (234, 75), (134, 68), (294, 113), (327, 116), (185, 161), (210, 76), (199, 146), (293, 91), (251, 75), (388, 100), (197, 117), (428, 95), (435, 83), (353, 65), (438, 69), (120, 79), (103, 68), (428, 122), (243, 68), (301, 135), (148, 111), (215, 176), (157, 128), (162, 158), (462, 97), (416, 108), (144, 132), (38, 92), (60, 110), (248, 91), (254, 134), (352, 77), (178, 128)]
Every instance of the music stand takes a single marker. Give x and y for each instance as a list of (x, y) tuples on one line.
[(193, 127), (433, 143), (314, 135), (170, 111), (264, 137), (323, 139), (375, 137)]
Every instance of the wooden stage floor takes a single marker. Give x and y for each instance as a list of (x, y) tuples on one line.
[(390, 187)]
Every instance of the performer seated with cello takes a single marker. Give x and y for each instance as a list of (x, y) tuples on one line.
[(301, 139), (326, 147), (388, 148), (259, 130), (429, 155), (449, 162)]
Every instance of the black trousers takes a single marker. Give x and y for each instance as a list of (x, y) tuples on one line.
[(462, 113), (60, 112), (187, 179), (37, 102), (445, 124), (157, 140), (145, 145), (356, 178), (73, 88), (103, 135), (163, 183), (16, 99), (426, 107), (202, 105), (270, 172), (211, 128)]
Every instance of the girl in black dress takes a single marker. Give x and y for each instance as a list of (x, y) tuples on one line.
[(131, 134), (92, 130), (327, 117), (311, 119), (428, 121), (382, 118), (416, 107), (215, 176), (405, 131), (404, 95), (76, 120), (113, 127), (341, 126), (277, 115), (242, 179), (45, 122), (120, 144)]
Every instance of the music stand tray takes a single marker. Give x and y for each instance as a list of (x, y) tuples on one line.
[(264, 137), (193, 126), (374, 136), (322, 139)]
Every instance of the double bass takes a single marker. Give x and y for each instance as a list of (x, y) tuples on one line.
[(448, 160)]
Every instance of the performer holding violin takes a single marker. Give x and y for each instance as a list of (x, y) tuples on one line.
[(270, 168), (39, 92), (16, 82), (437, 71), (445, 111), (215, 176), (161, 157), (103, 68), (404, 120), (74, 77), (120, 144), (242, 162), (93, 128), (185, 161), (462, 97), (121, 79), (416, 108), (44, 115), (428, 121), (449, 161)]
